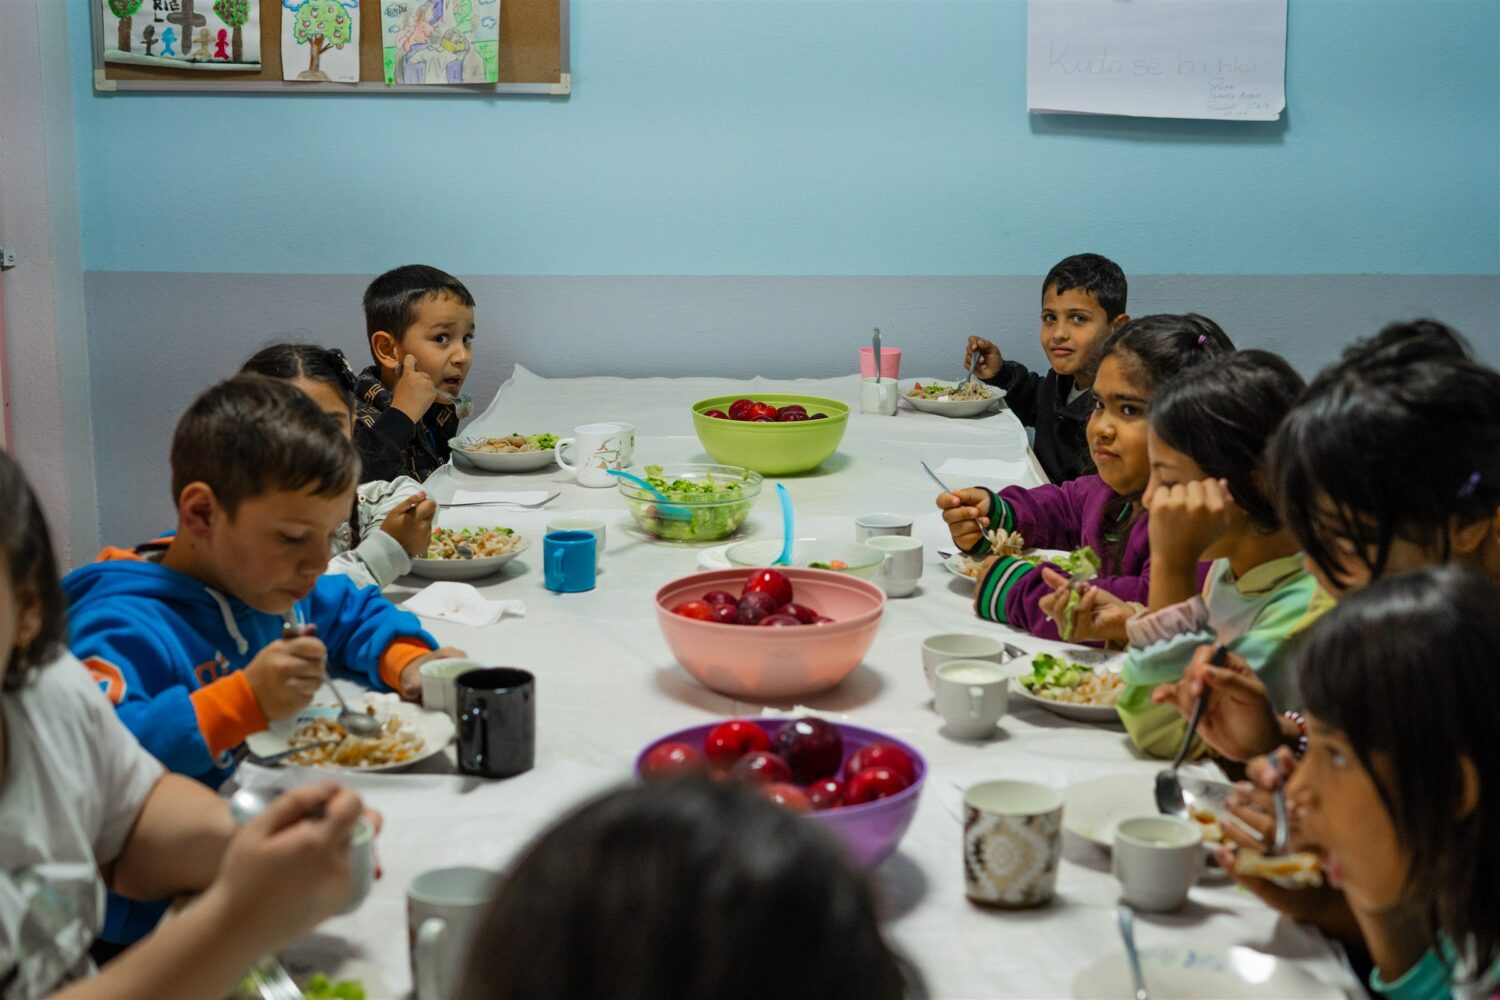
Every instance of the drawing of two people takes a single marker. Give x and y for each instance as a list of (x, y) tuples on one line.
[(436, 43)]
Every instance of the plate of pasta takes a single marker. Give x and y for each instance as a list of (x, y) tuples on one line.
[(468, 553), (409, 734), (948, 399), (508, 452)]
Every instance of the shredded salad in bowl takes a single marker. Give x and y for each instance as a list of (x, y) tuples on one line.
[(707, 502)]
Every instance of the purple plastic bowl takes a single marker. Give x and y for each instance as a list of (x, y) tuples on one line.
[(869, 831)]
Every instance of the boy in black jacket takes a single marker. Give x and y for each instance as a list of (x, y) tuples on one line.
[(1083, 301)]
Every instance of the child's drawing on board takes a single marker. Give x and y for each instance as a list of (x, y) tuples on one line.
[(436, 44)]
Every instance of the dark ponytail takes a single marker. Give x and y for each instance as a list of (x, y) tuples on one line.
[(1223, 416)]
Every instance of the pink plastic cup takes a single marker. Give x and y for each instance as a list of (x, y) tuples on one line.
[(890, 362)]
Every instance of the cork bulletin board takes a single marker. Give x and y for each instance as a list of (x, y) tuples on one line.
[(533, 59)]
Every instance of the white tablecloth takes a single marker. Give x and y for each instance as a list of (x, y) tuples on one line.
[(606, 685)]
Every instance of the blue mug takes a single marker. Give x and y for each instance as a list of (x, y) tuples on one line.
[(568, 561)]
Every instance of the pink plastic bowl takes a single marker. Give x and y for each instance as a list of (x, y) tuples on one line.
[(773, 664), (870, 831)]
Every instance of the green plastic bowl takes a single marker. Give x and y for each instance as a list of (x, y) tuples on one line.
[(772, 449)]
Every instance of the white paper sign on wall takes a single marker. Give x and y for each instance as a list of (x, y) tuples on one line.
[(1218, 59)]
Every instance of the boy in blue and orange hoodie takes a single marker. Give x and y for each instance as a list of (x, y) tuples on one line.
[(185, 635)]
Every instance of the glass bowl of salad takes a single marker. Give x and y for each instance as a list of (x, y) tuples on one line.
[(708, 502)]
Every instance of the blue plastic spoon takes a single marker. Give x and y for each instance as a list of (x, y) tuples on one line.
[(785, 559), (664, 507)]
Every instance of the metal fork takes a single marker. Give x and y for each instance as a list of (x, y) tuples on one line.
[(273, 982), (502, 503)]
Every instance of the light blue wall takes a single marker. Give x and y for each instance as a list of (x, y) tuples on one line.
[(788, 138)]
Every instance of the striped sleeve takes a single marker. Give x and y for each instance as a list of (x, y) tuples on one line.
[(1003, 576), (1002, 516)]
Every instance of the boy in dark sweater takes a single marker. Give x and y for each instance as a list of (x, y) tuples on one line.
[(420, 322), (1083, 301)]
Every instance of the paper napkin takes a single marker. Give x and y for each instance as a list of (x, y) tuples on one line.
[(461, 604)]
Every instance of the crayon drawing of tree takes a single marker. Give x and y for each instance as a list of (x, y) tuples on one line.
[(321, 25), (124, 10), (234, 13)]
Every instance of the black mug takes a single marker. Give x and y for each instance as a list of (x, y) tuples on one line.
[(496, 721)]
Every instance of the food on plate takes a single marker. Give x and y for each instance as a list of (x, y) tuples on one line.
[(750, 411), (886, 755), (813, 748), (472, 543), (833, 564), (874, 783), (320, 987), (1057, 679), (950, 393), (729, 741), (1208, 824), (767, 599), (716, 507), (673, 759), (511, 445), (1081, 564), (1290, 871), (395, 744), (762, 767)]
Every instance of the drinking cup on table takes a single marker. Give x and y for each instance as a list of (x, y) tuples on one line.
[(1012, 842), (868, 526), (1157, 860), (902, 568), (890, 362), (940, 649), (361, 862), (972, 695), (570, 561), (443, 910), (496, 722), (596, 448), (877, 396), (437, 683), (578, 522)]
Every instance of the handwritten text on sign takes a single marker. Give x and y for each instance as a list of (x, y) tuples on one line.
[(1221, 59)]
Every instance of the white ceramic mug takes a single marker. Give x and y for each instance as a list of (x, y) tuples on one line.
[(902, 568), (579, 522), (972, 695), (868, 526), (940, 649), (443, 908), (361, 862), (597, 448), (1157, 860), (437, 683), (878, 396), (1012, 843)]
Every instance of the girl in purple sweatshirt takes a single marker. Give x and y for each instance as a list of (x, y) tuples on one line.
[(1102, 511)]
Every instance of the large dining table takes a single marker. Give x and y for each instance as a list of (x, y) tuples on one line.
[(607, 684)]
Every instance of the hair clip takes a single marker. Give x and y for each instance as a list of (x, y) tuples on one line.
[(349, 378), (1470, 485), (1201, 338)]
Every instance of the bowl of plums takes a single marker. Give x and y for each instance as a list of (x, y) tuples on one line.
[(770, 635), (775, 434), (858, 784)]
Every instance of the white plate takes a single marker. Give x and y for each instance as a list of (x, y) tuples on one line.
[(435, 728), (516, 461), (465, 569), (1078, 713), (949, 408), (955, 563), (1186, 973)]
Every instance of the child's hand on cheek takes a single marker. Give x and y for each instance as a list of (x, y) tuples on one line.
[(411, 674), (1186, 519), (415, 390), (411, 524), (286, 674)]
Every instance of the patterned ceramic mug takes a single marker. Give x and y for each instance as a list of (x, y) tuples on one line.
[(1012, 842)]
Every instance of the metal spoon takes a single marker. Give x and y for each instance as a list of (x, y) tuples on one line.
[(353, 722), (277, 758), (876, 343), (944, 487), (1169, 796), (1283, 833), (1125, 919)]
